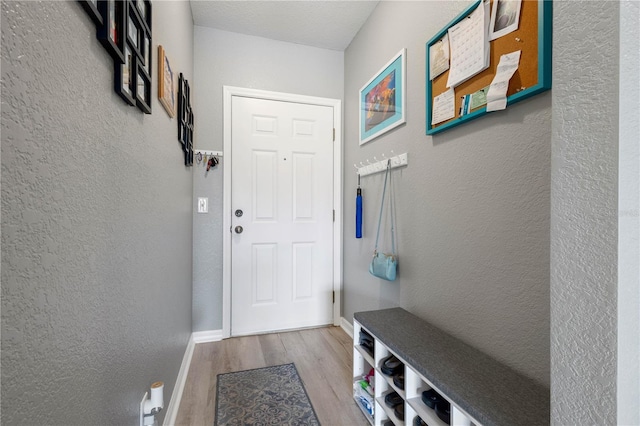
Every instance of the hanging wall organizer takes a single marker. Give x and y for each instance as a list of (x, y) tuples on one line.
[(381, 165), (533, 75)]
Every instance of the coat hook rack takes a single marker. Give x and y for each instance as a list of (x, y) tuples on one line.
[(380, 166), (208, 153)]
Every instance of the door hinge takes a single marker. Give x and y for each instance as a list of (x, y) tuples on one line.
[(334, 297), (334, 215), (334, 134)]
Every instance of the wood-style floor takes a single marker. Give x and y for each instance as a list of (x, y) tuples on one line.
[(323, 357)]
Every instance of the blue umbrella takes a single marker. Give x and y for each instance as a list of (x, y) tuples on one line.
[(359, 211)]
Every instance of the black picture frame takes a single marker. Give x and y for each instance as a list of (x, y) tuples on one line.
[(182, 109), (113, 29), (185, 119), (143, 88), (188, 139), (125, 77), (147, 55), (91, 7), (189, 152), (135, 31), (144, 10)]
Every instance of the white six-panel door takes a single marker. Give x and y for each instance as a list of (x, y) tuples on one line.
[(282, 215)]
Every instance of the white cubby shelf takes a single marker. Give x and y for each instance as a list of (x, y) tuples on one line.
[(481, 391)]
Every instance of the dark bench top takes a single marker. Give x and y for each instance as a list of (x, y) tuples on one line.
[(489, 391)]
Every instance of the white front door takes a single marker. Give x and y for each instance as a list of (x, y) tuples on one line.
[(282, 215)]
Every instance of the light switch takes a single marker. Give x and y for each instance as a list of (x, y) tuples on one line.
[(203, 205)]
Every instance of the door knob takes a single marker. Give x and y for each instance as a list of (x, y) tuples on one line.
[(239, 229)]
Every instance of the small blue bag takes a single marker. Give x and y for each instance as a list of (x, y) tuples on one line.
[(385, 265)]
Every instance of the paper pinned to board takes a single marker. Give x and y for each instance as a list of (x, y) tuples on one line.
[(439, 57), (444, 107), (479, 98), (497, 94), (469, 45), (505, 18)]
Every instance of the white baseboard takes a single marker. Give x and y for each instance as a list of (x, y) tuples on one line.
[(346, 326), (207, 336), (176, 396)]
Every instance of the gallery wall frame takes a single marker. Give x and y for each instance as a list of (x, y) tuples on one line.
[(111, 32), (135, 31), (185, 120), (138, 44), (123, 83), (382, 100), (166, 83), (147, 53), (143, 88), (91, 7), (144, 10), (123, 27)]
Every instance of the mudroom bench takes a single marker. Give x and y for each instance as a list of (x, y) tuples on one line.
[(478, 389)]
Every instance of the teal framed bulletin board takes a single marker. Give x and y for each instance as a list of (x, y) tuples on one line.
[(532, 37)]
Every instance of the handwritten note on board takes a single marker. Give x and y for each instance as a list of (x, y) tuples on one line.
[(444, 107), (497, 94)]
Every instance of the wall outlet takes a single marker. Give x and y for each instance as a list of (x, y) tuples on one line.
[(142, 409)]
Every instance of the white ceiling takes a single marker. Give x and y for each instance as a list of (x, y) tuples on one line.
[(325, 24)]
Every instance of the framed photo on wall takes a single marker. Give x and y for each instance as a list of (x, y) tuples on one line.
[(382, 100), (144, 7), (124, 74), (111, 33), (91, 7), (166, 83), (135, 33), (143, 88)]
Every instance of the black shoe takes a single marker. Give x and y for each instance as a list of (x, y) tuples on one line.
[(419, 422), (365, 336), (367, 342), (431, 397), (392, 399), (391, 365), (399, 411), (443, 410), (398, 380), (368, 348)]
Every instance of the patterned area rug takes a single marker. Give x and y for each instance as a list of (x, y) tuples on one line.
[(264, 396)]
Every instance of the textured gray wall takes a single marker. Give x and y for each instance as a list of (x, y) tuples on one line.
[(629, 217), (584, 218), (96, 223), (225, 58), (473, 204)]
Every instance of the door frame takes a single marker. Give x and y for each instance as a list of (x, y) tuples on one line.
[(228, 93)]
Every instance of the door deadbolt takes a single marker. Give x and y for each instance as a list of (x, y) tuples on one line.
[(238, 213), (239, 229)]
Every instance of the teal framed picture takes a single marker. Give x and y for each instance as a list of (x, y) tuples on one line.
[(382, 99)]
